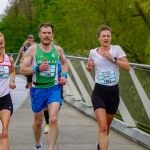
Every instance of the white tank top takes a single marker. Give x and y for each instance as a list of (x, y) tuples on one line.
[(106, 72), (4, 75)]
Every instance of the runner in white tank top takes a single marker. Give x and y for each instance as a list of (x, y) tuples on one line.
[(7, 78)]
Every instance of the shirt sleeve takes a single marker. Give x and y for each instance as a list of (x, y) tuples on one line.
[(121, 53)]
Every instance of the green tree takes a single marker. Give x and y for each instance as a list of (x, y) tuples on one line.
[(76, 23)]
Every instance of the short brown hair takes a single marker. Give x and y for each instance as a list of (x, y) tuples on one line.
[(1, 34), (103, 28), (46, 25)]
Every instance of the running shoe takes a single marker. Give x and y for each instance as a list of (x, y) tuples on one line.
[(97, 147), (38, 148), (46, 129)]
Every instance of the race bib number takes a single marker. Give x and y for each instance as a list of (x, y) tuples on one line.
[(4, 71), (107, 77), (50, 72)]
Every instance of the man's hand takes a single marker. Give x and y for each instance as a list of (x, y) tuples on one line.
[(43, 66), (62, 80)]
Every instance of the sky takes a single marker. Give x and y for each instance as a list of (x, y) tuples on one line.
[(3, 5)]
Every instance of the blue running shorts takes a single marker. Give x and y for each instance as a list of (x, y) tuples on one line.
[(41, 97)]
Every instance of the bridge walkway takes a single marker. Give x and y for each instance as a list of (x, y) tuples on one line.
[(77, 130)]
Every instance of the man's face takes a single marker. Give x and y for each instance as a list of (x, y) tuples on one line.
[(46, 35), (2, 44), (30, 39)]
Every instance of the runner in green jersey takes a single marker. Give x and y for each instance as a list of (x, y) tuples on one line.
[(46, 78), (41, 60)]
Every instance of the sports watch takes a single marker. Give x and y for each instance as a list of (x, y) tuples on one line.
[(115, 59), (38, 69)]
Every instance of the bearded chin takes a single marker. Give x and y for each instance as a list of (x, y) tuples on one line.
[(45, 43)]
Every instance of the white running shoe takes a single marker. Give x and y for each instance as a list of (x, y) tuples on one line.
[(46, 129)]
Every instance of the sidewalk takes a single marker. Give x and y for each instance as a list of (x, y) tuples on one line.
[(77, 131)]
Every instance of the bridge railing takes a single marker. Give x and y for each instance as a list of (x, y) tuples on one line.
[(134, 108)]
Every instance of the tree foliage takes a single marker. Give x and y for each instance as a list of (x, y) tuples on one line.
[(76, 23)]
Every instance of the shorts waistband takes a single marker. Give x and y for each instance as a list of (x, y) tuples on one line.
[(5, 97), (35, 83), (105, 86)]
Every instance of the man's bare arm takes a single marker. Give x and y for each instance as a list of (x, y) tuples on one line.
[(21, 50), (62, 59), (26, 67)]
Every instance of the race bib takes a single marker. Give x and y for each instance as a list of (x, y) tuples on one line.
[(50, 72), (107, 77), (4, 71)]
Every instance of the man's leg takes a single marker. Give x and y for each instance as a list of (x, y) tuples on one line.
[(26, 83), (46, 116), (4, 142), (29, 81), (37, 127), (53, 109)]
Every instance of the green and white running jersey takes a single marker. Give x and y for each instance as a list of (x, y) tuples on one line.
[(49, 77)]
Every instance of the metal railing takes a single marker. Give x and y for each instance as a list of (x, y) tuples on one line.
[(134, 108)]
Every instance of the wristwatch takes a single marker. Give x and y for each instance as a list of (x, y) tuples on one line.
[(115, 59), (38, 69)]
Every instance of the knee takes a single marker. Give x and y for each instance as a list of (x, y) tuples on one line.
[(53, 121), (38, 121), (103, 127)]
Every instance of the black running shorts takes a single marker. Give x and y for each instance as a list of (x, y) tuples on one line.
[(106, 97), (6, 103)]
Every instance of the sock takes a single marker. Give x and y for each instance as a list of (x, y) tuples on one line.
[(46, 116)]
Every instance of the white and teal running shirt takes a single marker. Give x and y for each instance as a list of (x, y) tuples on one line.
[(4, 76), (106, 72), (49, 77)]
